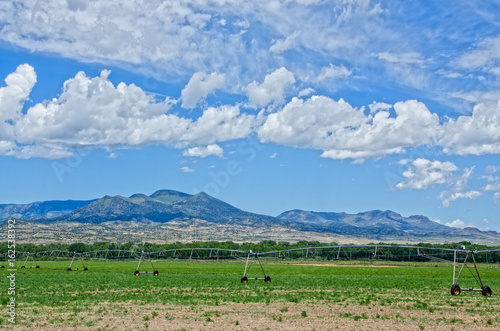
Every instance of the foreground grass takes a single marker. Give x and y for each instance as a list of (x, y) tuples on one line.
[(111, 289)]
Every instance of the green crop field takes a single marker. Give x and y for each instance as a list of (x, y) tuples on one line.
[(209, 295)]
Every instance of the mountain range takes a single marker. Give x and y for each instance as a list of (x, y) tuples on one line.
[(374, 222), (168, 206), (164, 206)]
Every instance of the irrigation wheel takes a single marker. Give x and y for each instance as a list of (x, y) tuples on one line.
[(69, 269), (267, 279), (136, 273), (156, 273), (23, 267), (455, 289), (38, 267), (85, 268), (486, 291), (244, 279)]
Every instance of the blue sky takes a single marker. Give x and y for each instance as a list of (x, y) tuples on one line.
[(346, 105)]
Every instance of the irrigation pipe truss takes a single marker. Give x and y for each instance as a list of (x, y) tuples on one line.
[(254, 257), (124, 254)]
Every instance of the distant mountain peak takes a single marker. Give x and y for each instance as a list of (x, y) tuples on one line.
[(205, 196), (381, 213), (169, 196), (472, 229), (138, 195), (167, 192)]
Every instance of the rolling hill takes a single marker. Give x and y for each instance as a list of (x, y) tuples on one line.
[(369, 223), (38, 210)]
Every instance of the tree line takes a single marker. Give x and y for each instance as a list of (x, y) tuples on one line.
[(343, 253)]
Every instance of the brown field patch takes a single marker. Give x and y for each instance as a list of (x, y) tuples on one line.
[(254, 316)]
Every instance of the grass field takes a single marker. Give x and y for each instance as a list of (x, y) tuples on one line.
[(209, 295)]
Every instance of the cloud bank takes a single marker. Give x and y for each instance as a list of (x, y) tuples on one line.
[(246, 40), (91, 112)]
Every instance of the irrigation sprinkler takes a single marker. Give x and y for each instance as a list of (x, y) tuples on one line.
[(455, 288), (245, 279), (145, 258), (29, 257), (335, 252), (77, 257)]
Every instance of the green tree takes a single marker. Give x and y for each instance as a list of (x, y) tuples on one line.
[(77, 247)]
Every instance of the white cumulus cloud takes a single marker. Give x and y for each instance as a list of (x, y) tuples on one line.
[(217, 124), (456, 224), (272, 89), (425, 173), (477, 134), (12, 97), (200, 86), (306, 92), (494, 186), (343, 131), (204, 151), (93, 113), (376, 106)]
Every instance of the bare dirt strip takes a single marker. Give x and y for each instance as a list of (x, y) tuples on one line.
[(257, 316)]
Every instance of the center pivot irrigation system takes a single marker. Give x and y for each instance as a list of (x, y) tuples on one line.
[(146, 258), (29, 257), (78, 258), (421, 251), (461, 258), (245, 279), (455, 288)]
